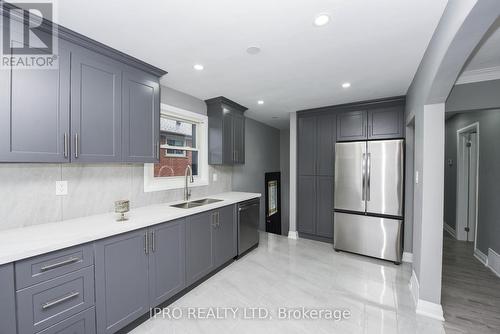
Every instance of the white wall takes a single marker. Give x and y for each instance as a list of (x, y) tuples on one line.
[(293, 176)]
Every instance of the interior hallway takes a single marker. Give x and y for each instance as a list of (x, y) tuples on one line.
[(470, 291)]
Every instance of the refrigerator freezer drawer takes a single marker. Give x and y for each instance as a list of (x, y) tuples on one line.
[(371, 236)]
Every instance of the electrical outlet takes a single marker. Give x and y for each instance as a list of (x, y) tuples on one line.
[(214, 177), (61, 188)]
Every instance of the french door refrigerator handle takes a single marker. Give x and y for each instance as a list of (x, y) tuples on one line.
[(363, 177), (368, 175)]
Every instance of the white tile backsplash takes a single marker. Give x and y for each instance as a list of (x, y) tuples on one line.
[(27, 191)]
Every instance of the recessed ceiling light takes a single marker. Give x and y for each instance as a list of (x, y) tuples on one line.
[(260, 102), (321, 19), (253, 50), (198, 67), (346, 85)]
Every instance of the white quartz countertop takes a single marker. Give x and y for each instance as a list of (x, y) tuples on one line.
[(21, 243)]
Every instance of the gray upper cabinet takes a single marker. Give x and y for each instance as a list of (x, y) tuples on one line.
[(224, 236), (386, 123), (34, 113), (352, 125), (74, 113), (141, 117), (167, 271), (96, 108), (325, 147), (226, 132), (122, 282), (199, 246), (7, 300), (307, 131)]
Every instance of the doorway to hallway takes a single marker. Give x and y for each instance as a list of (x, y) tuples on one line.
[(467, 182)]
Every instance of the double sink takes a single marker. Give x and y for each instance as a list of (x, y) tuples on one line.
[(196, 203)]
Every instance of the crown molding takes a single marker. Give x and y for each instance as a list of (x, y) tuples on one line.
[(483, 74)]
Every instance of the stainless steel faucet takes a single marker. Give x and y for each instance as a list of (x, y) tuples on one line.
[(187, 192)]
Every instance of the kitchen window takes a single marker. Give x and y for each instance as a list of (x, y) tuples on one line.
[(183, 142)]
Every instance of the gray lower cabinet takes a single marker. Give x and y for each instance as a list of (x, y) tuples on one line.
[(141, 117), (352, 125), (210, 241), (46, 304), (306, 214), (121, 279), (96, 113), (224, 236), (34, 113), (7, 300), (324, 206), (199, 246), (81, 323), (167, 261)]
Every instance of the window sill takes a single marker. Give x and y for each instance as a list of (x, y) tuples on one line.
[(152, 184)]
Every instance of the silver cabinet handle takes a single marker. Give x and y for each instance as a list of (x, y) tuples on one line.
[(368, 172), (60, 264), (153, 241), (76, 146), (65, 145), (58, 301), (363, 177), (146, 243)]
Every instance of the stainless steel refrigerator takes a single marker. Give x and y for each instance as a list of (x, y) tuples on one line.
[(368, 199)]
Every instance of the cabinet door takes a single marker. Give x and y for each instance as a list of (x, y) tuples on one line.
[(307, 145), (306, 204), (224, 245), (141, 117), (96, 111), (324, 206), (386, 123), (167, 272), (34, 112), (325, 146), (227, 137), (7, 299), (239, 138), (121, 273), (199, 256), (351, 125)]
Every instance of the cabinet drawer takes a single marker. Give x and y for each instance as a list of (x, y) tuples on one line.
[(46, 304), (44, 267), (81, 323)]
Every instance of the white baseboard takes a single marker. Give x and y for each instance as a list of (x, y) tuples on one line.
[(451, 231), (424, 307), (480, 256), (431, 310), (493, 262), (293, 235), (408, 257)]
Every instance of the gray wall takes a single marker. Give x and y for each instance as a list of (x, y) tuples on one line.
[(488, 228), (27, 192), (285, 180), (182, 100), (262, 154), (473, 96)]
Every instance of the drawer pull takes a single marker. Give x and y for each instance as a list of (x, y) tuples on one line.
[(60, 264), (60, 300)]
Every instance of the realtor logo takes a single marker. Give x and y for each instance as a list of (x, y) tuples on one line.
[(29, 39)]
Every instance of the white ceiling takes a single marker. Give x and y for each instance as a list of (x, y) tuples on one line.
[(487, 54), (375, 45)]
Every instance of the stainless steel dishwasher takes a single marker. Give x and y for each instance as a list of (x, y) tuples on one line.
[(248, 225)]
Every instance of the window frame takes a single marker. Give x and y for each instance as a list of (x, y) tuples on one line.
[(152, 183)]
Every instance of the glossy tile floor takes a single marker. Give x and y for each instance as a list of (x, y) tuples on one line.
[(470, 291), (285, 273)]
